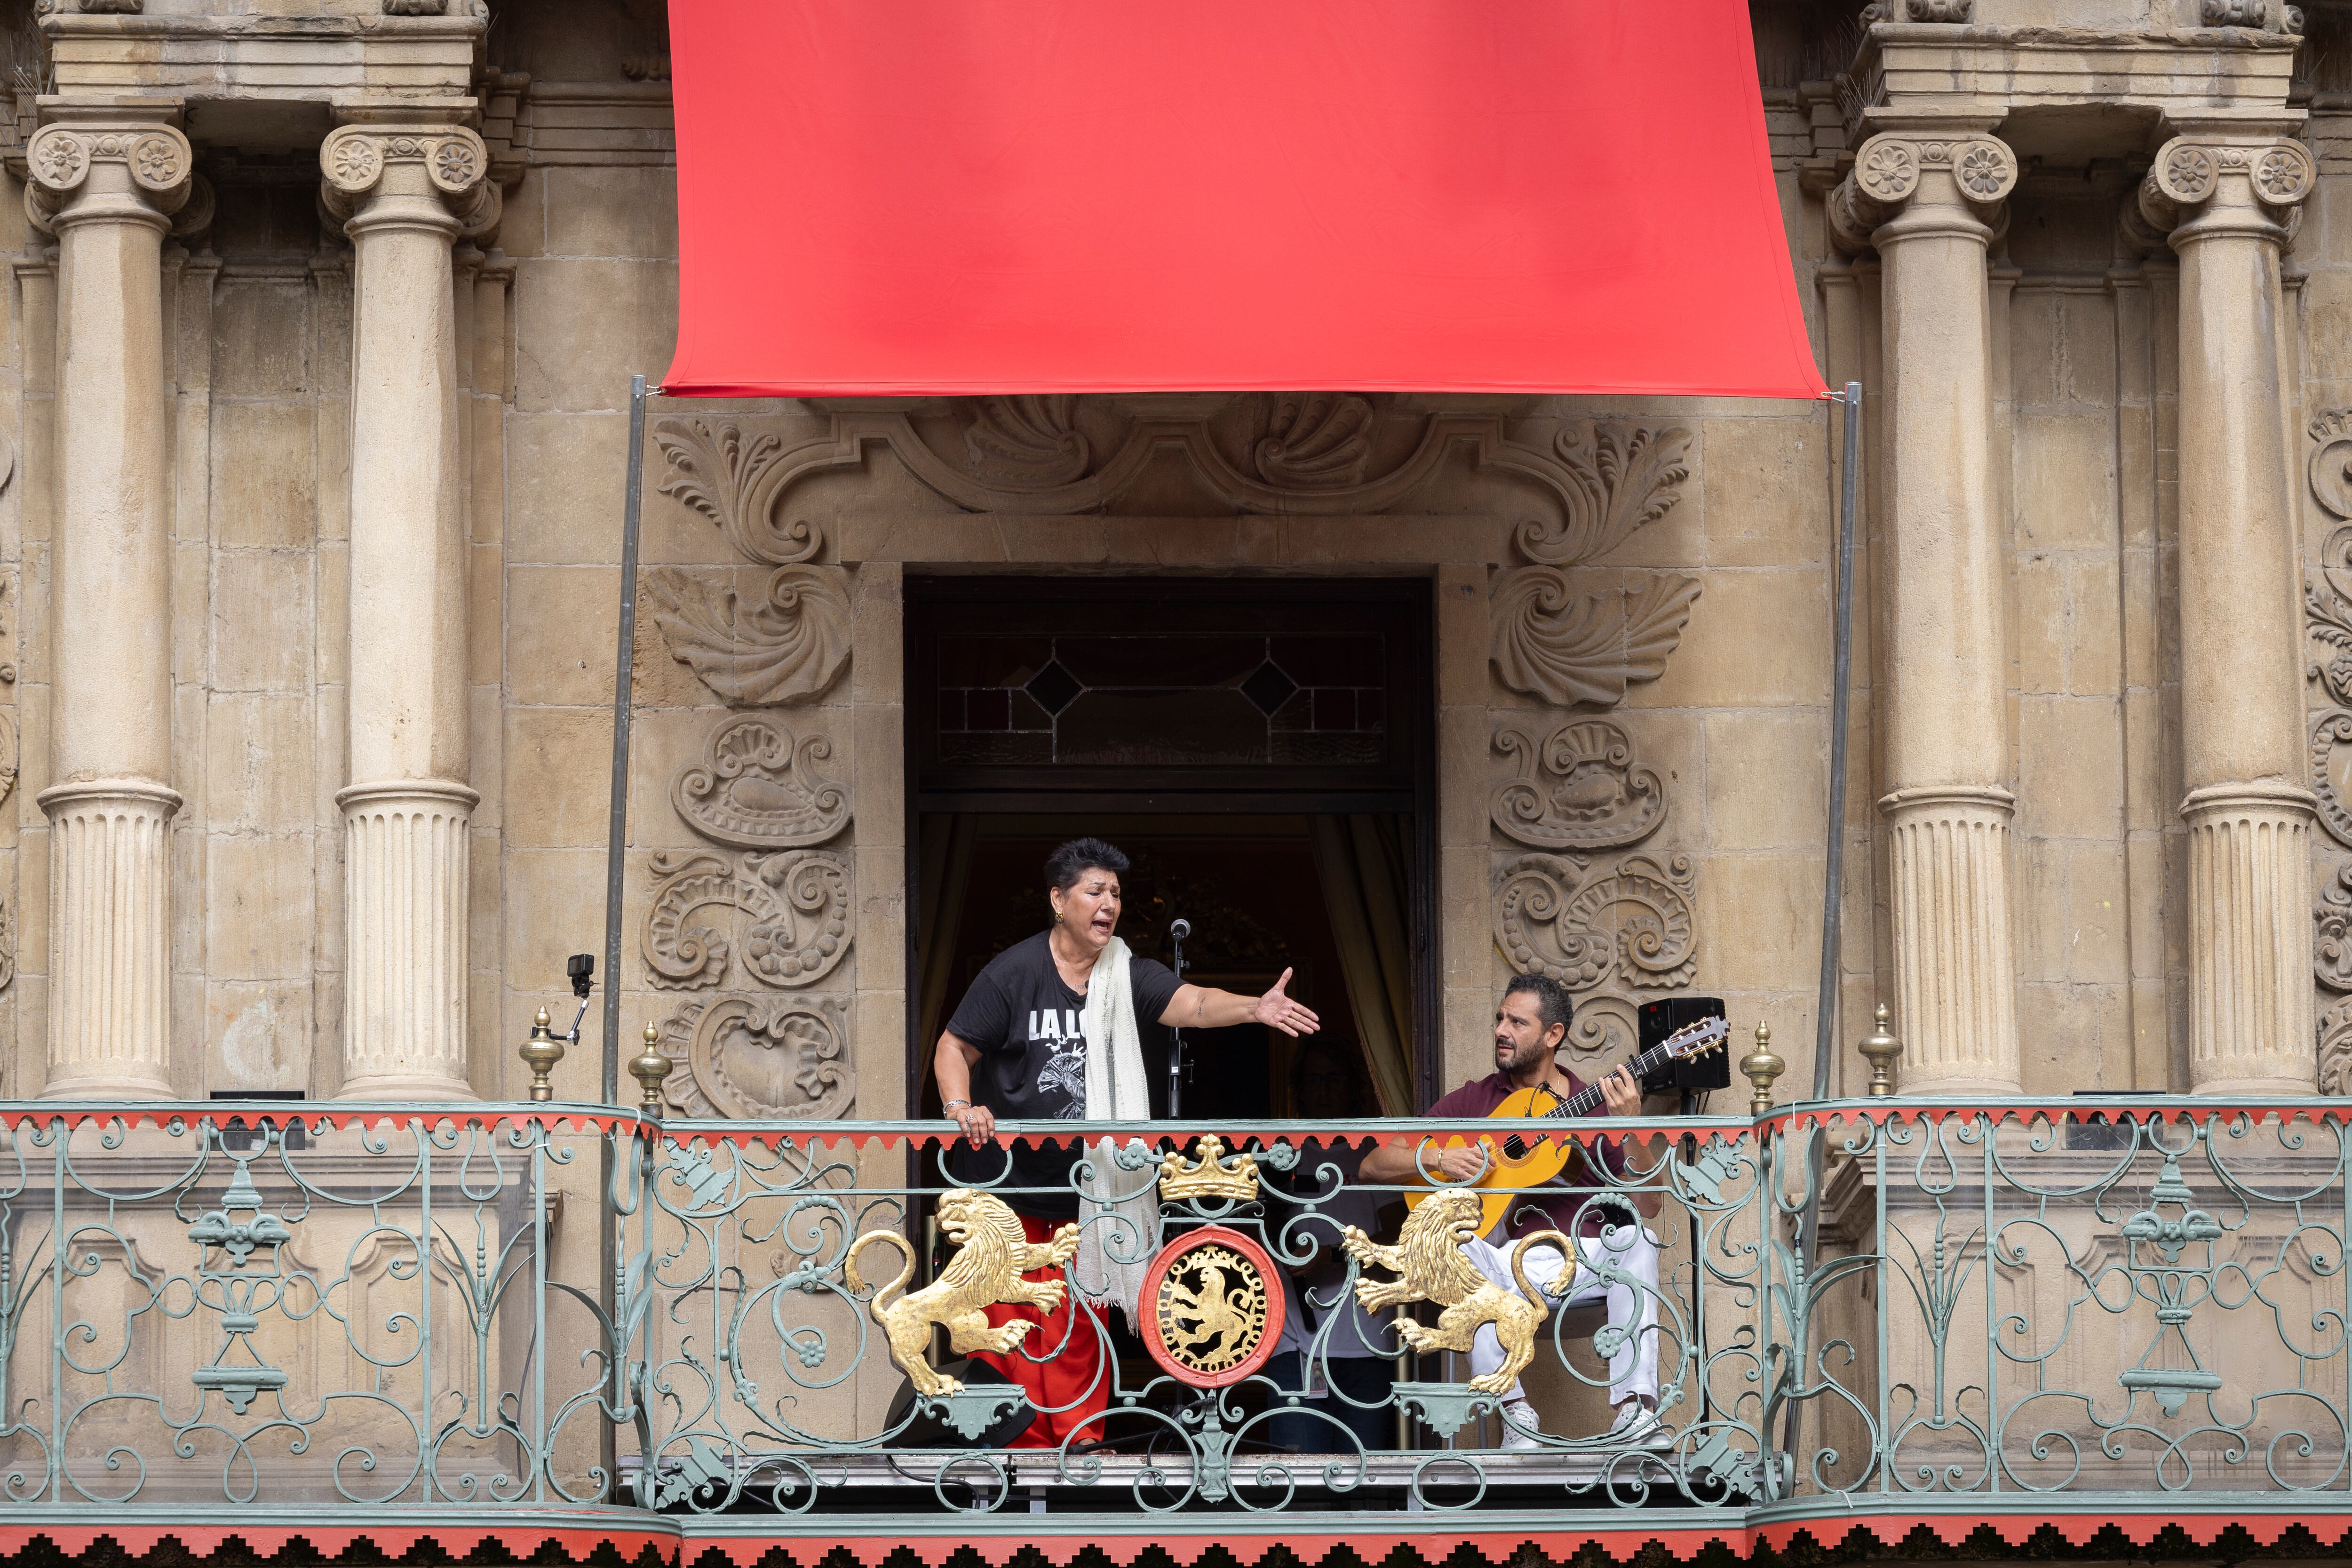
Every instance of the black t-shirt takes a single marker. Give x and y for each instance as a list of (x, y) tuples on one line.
[(1028, 1028)]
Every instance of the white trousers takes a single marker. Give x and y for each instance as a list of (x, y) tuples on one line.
[(1632, 1298)]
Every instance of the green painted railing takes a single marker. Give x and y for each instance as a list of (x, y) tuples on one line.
[(219, 1312)]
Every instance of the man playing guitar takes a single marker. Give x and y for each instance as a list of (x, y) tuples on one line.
[(1529, 1024)]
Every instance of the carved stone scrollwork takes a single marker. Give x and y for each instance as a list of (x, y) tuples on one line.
[(2330, 730), (2330, 468), (1306, 453), (796, 905), (766, 1057), (2331, 915), (2335, 1049), (789, 646), (1568, 648), (1580, 790), (1606, 1028), (755, 790), (1624, 476), (1940, 10), (736, 482), (1632, 920)]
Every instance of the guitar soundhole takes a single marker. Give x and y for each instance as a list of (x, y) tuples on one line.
[(1515, 1148)]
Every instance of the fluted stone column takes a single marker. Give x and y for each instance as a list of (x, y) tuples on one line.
[(107, 189), (406, 193), (1924, 201), (2226, 202)]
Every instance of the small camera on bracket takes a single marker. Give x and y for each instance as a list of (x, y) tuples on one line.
[(582, 969), (545, 1047)]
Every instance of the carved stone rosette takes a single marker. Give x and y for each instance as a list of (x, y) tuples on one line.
[(2250, 944), (1580, 790), (766, 1057), (109, 942), (754, 789), (406, 896), (1954, 964)]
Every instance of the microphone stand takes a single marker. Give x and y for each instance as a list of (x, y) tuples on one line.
[(1176, 932)]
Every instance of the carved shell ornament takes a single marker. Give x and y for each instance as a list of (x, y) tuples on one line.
[(1551, 642), (770, 1056), (1027, 440), (1631, 920), (1318, 440), (1581, 789), (789, 646), (792, 908), (755, 790)]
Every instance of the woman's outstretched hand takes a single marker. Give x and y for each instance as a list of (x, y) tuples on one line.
[(1278, 1011)]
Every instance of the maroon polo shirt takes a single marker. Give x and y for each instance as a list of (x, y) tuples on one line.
[(1560, 1206)]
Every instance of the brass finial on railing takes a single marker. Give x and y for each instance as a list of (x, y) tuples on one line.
[(649, 1068), (1761, 1068), (541, 1053), (1882, 1050)]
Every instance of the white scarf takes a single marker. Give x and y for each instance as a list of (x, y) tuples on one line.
[(1121, 1220)]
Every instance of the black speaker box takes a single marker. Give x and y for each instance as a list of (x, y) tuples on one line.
[(1660, 1019)]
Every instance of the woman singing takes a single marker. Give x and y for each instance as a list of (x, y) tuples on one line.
[(1048, 1031)]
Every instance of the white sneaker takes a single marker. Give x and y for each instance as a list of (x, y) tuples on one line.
[(1521, 1426), (1638, 1426)]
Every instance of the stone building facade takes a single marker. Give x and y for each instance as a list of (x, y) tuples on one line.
[(318, 347)]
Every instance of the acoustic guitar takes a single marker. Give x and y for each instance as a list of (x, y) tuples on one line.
[(1514, 1165)]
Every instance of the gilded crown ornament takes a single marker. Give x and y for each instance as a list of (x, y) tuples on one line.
[(1212, 1176)]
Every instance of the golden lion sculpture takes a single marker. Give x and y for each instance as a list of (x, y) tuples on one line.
[(1428, 1260), (992, 1254)]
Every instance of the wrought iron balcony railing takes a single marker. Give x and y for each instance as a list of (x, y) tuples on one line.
[(584, 1322)]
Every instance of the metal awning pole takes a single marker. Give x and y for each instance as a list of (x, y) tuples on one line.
[(616, 834), (616, 839), (1832, 875)]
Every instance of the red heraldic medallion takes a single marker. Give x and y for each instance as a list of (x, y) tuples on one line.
[(1212, 1306)]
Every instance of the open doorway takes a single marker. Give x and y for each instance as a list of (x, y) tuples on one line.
[(1260, 749)]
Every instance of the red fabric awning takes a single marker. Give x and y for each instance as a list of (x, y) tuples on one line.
[(896, 196)]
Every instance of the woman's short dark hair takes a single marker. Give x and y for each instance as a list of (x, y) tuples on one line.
[(1073, 860), (1553, 1004)]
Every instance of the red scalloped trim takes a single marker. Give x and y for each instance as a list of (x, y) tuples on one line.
[(1186, 1538), (137, 1113), (2317, 1112), (332, 1541)]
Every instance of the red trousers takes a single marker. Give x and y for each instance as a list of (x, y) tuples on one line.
[(1070, 1371)]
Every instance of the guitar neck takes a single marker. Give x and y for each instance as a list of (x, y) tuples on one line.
[(1585, 1099)]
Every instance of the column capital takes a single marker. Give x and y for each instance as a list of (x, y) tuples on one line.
[(2199, 188), (133, 171), (1921, 184), (435, 176)]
